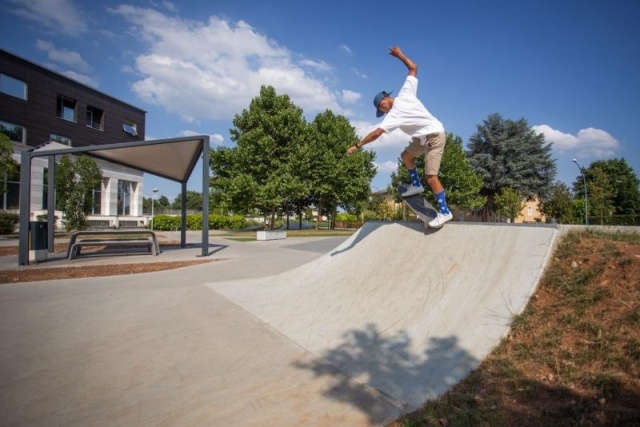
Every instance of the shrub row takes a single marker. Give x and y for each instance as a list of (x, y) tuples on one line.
[(8, 222), (194, 222)]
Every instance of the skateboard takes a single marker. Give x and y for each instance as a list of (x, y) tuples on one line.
[(419, 206)]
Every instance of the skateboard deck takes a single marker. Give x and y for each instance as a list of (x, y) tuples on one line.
[(419, 206)]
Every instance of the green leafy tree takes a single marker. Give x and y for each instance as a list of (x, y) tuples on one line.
[(600, 196), (258, 172), (558, 204), (336, 180), (618, 180), (509, 154), (8, 167), (162, 203), (75, 180), (461, 183), (194, 201), (509, 203)]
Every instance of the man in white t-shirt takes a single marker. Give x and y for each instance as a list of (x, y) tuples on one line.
[(407, 113)]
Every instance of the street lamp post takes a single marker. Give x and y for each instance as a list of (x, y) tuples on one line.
[(153, 199), (584, 180)]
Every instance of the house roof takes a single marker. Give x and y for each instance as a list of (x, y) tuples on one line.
[(172, 159)]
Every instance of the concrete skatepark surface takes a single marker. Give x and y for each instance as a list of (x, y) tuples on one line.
[(370, 330)]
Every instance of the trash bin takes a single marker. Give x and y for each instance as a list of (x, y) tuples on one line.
[(38, 241)]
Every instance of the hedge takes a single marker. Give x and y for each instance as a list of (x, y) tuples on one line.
[(194, 222), (8, 222)]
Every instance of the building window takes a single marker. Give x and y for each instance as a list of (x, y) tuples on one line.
[(530, 211), (124, 197), (11, 198), (95, 117), (66, 108), (96, 206), (60, 139), (15, 133), (13, 87), (130, 128)]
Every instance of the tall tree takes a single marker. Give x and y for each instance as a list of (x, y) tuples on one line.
[(337, 180), (618, 181), (509, 154), (258, 172), (461, 183), (194, 201), (75, 180)]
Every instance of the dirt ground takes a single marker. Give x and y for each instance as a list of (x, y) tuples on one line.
[(54, 273)]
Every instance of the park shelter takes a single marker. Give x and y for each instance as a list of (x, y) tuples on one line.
[(173, 159)]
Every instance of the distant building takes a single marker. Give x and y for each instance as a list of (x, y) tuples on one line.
[(530, 212), (39, 106)]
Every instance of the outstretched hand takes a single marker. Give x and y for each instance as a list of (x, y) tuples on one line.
[(395, 51), (352, 150)]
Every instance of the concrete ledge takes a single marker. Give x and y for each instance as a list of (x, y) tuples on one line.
[(271, 235)]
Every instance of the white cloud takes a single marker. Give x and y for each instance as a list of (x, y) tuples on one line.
[(317, 65), (345, 48), (587, 143), (386, 167), (350, 96), (64, 57), (359, 73), (58, 16), (213, 138), (212, 69), (397, 140), (82, 78)]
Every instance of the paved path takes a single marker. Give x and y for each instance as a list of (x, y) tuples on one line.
[(357, 336)]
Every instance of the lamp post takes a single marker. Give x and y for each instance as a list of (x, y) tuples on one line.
[(584, 180), (153, 199)]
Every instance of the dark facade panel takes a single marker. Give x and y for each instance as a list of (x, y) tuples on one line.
[(39, 113)]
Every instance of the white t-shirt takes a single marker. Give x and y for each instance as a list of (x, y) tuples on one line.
[(409, 114)]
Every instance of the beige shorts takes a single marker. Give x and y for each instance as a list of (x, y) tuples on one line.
[(432, 146)]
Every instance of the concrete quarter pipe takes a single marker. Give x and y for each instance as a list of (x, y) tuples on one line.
[(398, 313)]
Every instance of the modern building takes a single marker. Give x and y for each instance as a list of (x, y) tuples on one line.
[(39, 107)]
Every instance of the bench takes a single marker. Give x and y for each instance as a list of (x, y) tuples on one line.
[(119, 238)]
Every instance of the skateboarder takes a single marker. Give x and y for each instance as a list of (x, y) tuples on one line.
[(407, 113)]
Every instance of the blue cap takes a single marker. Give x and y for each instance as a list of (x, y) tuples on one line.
[(376, 101)]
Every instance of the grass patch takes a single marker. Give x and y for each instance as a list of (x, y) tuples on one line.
[(571, 358)]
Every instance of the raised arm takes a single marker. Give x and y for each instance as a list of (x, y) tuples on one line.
[(411, 66)]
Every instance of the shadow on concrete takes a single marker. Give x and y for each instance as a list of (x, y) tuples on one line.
[(388, 365)]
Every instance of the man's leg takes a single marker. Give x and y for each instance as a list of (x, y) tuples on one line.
[(433, 158), (408, 159)]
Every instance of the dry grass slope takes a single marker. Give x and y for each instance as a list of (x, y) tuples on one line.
[(572, 357)]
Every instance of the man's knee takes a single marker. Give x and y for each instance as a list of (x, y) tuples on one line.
[(432, 179)]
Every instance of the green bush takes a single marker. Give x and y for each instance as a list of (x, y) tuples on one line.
[(8, 222), (166, 222), (194, 222), (346, 217)]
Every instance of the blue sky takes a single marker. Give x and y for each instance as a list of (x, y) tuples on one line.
[(570, 68)]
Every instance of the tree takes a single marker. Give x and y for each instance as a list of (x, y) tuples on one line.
[(258, 172), (509, 154), (509, 203), (558, 204), (194, 201), (619, 186), (8, 167), (461, 183), (600, 196), (75, 180), (336, 180)]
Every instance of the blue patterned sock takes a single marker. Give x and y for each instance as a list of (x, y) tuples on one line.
[(442, 203), (415, 179)]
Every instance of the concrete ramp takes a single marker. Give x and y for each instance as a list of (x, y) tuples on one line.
[(400, 310)]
